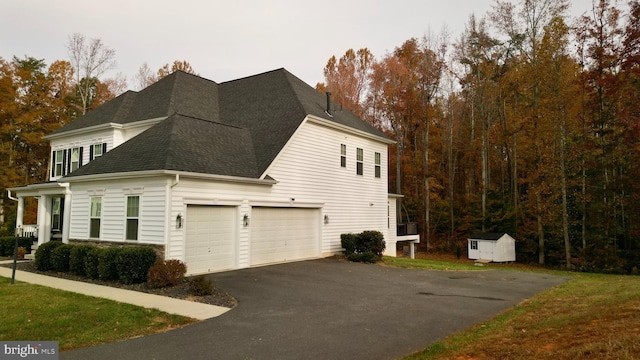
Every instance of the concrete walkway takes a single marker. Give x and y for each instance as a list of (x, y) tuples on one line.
[(186, 308)]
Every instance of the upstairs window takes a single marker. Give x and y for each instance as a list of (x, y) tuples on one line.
[(97, 150), (377, 165), (359, 160), (57, 162), (75, 160), (133, 212), (96, 214), (343, 155)]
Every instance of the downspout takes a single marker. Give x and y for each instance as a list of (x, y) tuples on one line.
[(11, 197), (169, 217), (177, 181)]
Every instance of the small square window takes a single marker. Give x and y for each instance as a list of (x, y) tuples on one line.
[(474, 245)]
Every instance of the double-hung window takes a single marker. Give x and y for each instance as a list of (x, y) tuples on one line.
[(359, 160), (133, 216), (343, 155), (76, 155), (96, 214), (58, 162), (377, 165)]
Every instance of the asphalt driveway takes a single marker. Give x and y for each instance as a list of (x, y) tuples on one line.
[(334, 309)]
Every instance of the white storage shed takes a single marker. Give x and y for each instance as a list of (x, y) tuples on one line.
[(495, 247)]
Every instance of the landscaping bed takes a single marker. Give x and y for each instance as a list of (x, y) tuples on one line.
[(181, 291)]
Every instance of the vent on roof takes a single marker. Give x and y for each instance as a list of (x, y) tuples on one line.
[(328, 111)]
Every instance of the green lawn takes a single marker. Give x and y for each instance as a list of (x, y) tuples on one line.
[(33, 312), (592, 316)]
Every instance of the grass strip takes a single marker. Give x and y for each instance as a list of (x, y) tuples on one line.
[(33, 312)]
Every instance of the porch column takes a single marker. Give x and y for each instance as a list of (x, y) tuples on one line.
[(42, 216), (66, 217)]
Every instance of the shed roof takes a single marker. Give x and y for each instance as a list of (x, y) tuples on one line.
[(488, 236)]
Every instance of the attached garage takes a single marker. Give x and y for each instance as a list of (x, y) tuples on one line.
[(284, 234), (210, 238)]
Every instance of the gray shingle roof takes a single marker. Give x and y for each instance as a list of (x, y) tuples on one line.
[(236, 128), (488, 236)]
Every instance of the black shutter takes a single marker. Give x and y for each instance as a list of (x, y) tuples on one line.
[(90, 152), (104, 148), (53, 163), (64, 162), (80, 156)]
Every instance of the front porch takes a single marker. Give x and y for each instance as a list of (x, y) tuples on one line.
[(53, 211)]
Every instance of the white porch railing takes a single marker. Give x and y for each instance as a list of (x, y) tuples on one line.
[(27, 231)]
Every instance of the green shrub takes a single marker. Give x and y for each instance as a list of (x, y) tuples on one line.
[(107, 269), (43, 255), (366, 246), (348, 242), (166, 273), (77, 259), (7, 244), (133, 264), (200, 286), (60, 257), (91, 263)]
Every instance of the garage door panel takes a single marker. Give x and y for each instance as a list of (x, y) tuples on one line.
[(210, 238), (283, 234)]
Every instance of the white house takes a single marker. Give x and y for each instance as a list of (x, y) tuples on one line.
[(248, 172), (496, 247)]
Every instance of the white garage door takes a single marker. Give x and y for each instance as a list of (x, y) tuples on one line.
[(210, 238), (284, 234)]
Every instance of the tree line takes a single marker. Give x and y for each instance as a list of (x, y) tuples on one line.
[(527, 123), (37, 99)]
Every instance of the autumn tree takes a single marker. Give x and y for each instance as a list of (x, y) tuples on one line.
[(347, 79), (145, 77), (90, 61)]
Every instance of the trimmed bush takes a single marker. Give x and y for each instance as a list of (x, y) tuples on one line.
[(367, 246), (91, 263), (43, 255), (77, 259), (60, 257), (348, 242), (107, 269), (166, 273), (200, 286), (133, 264), (7, 244)]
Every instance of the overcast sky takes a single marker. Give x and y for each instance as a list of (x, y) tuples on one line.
[(225, 40)]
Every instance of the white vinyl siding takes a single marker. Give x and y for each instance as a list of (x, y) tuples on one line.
[(152, 214), (306, 171)]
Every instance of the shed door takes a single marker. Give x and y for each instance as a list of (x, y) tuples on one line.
[(210, 238), (284, 234)]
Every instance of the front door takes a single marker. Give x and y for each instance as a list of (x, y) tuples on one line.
[(57, 211)]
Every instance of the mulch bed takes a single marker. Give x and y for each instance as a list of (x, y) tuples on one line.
[(180, 291)]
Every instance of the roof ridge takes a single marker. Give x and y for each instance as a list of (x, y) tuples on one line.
[(203, 119), (254, 75)]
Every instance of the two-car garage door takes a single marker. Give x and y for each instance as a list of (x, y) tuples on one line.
[(276, 235)]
